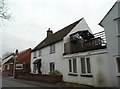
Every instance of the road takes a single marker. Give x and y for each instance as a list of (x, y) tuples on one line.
[(11, 82)]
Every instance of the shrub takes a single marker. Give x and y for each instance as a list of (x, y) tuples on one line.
[(55, 72)]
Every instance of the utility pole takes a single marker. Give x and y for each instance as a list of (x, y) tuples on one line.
[(14, 62)]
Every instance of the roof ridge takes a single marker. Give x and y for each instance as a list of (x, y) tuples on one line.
[(57, 36)]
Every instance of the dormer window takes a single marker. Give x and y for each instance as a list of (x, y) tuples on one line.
[(52, 48)]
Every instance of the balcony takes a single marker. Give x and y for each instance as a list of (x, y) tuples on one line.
[(97, 41)]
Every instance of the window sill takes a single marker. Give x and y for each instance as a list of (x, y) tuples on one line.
[(52, 52), (73, 74), (85, 75)]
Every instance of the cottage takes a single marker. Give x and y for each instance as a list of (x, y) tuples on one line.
[(21, 60), (76, 52)]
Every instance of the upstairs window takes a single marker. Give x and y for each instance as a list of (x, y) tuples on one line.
[(34, 54), (119, 26), (85, 66), (52, 48)]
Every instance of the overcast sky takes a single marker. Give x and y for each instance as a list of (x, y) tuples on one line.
[(32, 18)]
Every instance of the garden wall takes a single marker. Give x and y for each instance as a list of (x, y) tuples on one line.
[(40, 77)]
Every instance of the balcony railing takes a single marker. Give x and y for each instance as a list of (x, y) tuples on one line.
[(98, 42)]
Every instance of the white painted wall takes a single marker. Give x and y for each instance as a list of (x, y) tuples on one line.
[(111, 30), (99, 67), (54, 57), (46, 58)]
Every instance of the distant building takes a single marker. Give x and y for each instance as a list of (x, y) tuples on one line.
[(22, 62)]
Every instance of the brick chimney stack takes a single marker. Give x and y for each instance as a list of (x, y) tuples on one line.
[(49, 32)]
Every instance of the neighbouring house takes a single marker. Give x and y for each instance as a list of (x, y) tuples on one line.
[(79, 55), (111, 25), (22, 62), (5, 66)]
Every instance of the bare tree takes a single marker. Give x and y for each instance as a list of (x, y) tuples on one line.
[(4, 11)]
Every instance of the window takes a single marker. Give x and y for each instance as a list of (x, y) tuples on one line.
[(118, 64), (39, 53), (70, 66), (34, 54), (117, 23), (73, 65), (85, 66), (52, 66), (19, 66), (8, 67), (119, 26), (52, 48)]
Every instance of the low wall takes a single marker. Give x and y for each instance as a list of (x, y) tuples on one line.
[(41, 77)]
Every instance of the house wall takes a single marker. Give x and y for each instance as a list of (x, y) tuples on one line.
[(54, 57), (46, 58), (99, 67), (113, 41)]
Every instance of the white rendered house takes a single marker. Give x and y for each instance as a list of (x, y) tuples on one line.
[(111, 25), (79, 55)]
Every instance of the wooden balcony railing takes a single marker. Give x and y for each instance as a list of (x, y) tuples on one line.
[(98, 42)]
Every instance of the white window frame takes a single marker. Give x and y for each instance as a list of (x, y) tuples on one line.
[(53, 66), (72, 66), (52, 48), (21, 65), (86, 69)]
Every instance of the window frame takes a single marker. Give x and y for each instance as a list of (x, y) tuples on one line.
[(21, 65), (73, 67), (52, 66), (52, 48), (87, 65)]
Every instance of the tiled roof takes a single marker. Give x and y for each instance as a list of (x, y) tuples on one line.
[(58, 36)]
